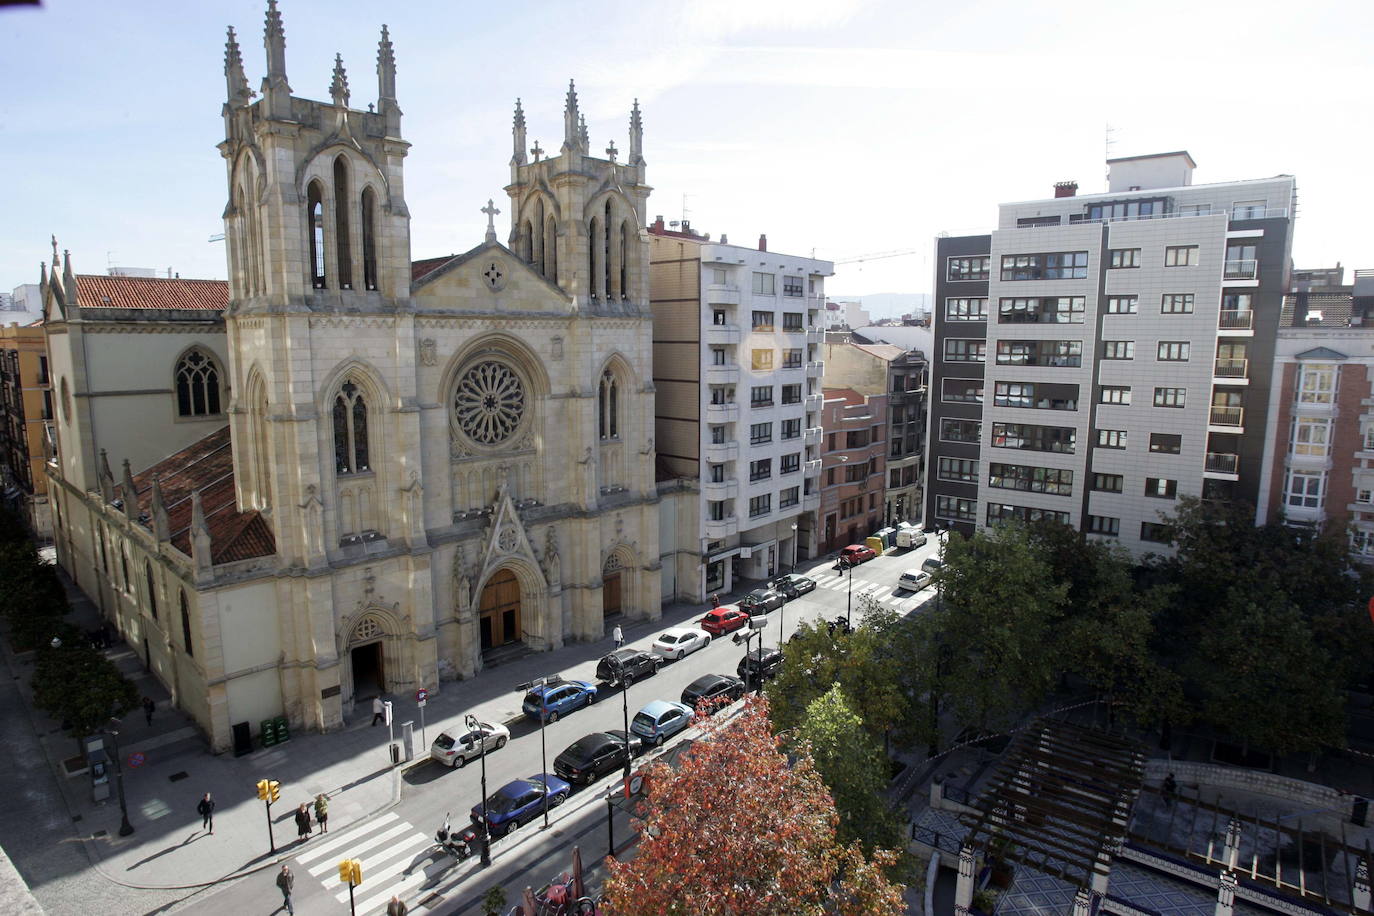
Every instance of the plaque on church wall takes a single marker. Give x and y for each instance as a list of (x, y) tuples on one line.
[(328, 692)]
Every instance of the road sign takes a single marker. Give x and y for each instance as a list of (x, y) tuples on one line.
[(421, 695), (136, 759)]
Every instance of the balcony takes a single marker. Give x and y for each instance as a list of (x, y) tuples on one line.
[(721, 452), (1231, 372), (722, 375), (815, 335), (1245, 269), (722, 334), (815, 369), (812, 468), (813, 402), (722, 413), (1226, 420), (1243, 213), (720, 489), (811, 502), (717, 528), (1222, 466), (812, 436), (722, 294), (1233, 323)]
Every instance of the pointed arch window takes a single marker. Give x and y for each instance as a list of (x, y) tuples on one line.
[(594, 257), (186, 626), (350, 430), (607, 258), (124, 568), (341, 235), (608, 404), (527, 243), (152, 588), (369, 213), (551, 248), (626, 246), (315, 210), (197, 380)]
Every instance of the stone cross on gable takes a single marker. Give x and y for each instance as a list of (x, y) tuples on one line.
[(611, 151), (536, 151), (491, 211)]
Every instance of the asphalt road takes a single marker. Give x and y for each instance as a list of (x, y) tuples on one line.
[(396, 848)]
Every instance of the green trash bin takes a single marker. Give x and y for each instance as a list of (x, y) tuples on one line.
[(267, 729), (283, 734)]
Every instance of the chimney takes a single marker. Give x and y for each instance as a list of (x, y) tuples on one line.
[(763, 242), (658, 224), (1066, 189), (725, 240)]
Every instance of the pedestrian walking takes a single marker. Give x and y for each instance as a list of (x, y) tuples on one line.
[(397, 907), (618, 636), (148, 707), (286, 882), (302, 822), (715, 600), (206, 810), (1170, 788), (378, 710), (322, 812)]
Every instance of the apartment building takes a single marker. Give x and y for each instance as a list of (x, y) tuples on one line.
[(737, 374), (878, 368), (1098, 356), (1319, 463), (26, 409), (855, 463)]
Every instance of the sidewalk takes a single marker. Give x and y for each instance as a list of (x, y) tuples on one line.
[(169, 850)]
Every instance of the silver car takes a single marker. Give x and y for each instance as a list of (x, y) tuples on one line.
[(453, 749)]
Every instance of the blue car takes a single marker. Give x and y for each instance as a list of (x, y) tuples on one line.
[(550, 701), (660, 720), (521, 801)]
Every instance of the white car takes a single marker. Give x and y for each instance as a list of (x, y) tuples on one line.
[(679, 642), (455, 748), (913, 580)]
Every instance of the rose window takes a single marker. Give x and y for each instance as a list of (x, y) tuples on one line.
[(490, 403)]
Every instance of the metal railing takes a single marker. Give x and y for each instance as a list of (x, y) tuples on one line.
[(1238, 213), (1227, 416), (1222, 463), (1236, 320), (935, 838), (1231, 368), (1240, 269)]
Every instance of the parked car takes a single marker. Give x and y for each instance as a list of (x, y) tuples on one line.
[(932, 565), (636, 744), (520, 801), (911, 537), (913, 580), (552, 701), (762, 600), (660, 720), (793, 585), (679, 642), (759, 663), (722, 620), (855, 554), (455, 748), (592, 756), (635, 664), (715, 690)]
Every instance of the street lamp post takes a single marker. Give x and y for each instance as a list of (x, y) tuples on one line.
[(849, 596), (795, 547), (543, 746), (618, 672), (125, 828), (475, 726)]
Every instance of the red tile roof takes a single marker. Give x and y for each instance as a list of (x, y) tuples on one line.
[(419, 269), (94, 291), (206, 465)]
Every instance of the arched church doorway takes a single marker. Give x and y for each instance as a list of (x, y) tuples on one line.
[(365, 655), (611, 578), (499, 615)]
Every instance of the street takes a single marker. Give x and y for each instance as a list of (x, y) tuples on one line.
[(396, 848)]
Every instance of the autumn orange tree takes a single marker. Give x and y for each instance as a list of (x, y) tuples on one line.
[(739, 828)]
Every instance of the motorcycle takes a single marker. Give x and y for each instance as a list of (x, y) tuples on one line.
[(459, 844), (840, 625)]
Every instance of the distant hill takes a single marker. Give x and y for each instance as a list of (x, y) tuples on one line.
[(888, 305)]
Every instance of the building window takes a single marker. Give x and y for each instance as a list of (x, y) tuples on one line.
[(1237, 302), (715, 510), (197, 380), (956, 509), (1177, 304), (968, 268), (965, 350), (1172, 351), (762, 469), (791, 394), (789, 497), (1126, 209), (718, 317), (1121, 305), (789, 464), (1118, 349), (1055, 265), (761, 360), (1031, 479), (856, 438), (1108, 483), (1111, 438), (1160, 488), (350, 430), (961, 391), (792, 358), (1362, 542), (1310, 436), (1101, 524), (722, 394), (763, 321), (1156, 533), (760, 433), (608, 406), (715, 473), (720, 276), (764, 285), (1052, 353), (1031, 437), (962, 470), (1124, 257), (152, 588), (1303, 489), (760, 505), (966, 309), (792, 321), (1042, 310), (314, 207), (761, 396), (1013, 394), (718, 356), (1170, 397), (791, 429), (186, 626), (1115, 394), (1166, 443), (792, 288), (960, 430), (1316, 383), (998, 512), (1181, 256)]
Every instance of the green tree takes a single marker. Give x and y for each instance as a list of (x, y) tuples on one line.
[(32, 599), (81, 687), (850, 760)]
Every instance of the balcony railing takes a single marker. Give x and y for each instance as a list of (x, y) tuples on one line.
[(1222, 463), (815, 369), (1227, 416), (1242, 269), (722, 294), (722, 413), (1231, 368), (1236, 320), (719, 375), (812, 436), (1259, 213), (722, 334)]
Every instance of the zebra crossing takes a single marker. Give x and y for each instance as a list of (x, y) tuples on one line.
[(397, 858), (880, 593)]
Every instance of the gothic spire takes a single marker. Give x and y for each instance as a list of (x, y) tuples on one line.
[(106, 478), (275, 87), (161, 524), (386, 68), (130, 494), (234, 78), (570, 118), (338, 88), (636, 136), (519, 131), (68, 278), (583, 138), (200, 533)]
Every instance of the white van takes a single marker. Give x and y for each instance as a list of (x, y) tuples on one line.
[(911, 537)]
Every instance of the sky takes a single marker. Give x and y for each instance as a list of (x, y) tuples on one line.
[(847, 128)]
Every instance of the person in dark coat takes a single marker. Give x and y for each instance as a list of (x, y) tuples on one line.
[(302, 822), (286, 882), (206, 810), (397, 907), (148, 707)]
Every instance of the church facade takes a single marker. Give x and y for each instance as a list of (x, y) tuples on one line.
[(429, 464)]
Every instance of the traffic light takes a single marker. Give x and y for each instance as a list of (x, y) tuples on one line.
[(273, 789), (351, 872), (262, 789)]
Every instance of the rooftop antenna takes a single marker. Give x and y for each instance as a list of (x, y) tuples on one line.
[(685, 211), (1107, 144)]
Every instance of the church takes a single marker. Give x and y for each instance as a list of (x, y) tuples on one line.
[(350, 472)]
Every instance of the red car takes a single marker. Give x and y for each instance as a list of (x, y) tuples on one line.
[(855, 554), (722, 620)]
